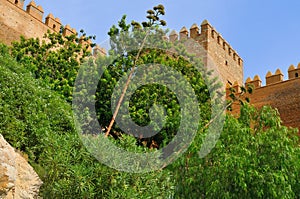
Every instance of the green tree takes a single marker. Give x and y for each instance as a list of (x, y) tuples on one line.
[(54, 59), (135, 45), (255, 157), (35, 120)]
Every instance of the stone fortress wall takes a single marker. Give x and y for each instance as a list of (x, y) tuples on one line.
[(278, 93), (283, 95), (218, 51), (16, 21)]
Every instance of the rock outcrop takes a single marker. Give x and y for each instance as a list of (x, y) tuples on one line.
[(17, 177)]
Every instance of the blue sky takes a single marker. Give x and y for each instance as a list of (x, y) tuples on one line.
[(266, 34)]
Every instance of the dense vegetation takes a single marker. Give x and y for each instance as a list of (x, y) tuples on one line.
[(255, 157), (55, 59), (39, 122)]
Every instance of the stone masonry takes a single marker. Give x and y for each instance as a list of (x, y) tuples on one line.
[(15, 21), (280, 94), (283, 95), (217, 51)]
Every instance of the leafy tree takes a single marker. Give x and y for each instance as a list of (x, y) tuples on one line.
[(135, 45), (255, 157), (55, 59), (35, 120)]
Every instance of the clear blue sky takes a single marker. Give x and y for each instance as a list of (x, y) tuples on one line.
[(266, 34)]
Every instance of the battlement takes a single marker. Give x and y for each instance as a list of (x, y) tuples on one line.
[(271, 79), (277, 77), (29, 22), (53, 23), (278, 93), (18, 3), (16, 21), (218, 51), (37, 12), (206, 33)]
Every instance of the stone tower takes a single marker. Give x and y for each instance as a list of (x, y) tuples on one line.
[(217, 51)]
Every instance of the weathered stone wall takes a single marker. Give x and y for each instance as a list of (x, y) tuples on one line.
[(216, 52), (284, 96), (280, 94), (14, 21), (229, 63)]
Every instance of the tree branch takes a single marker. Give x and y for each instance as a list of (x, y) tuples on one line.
[(126, 86)]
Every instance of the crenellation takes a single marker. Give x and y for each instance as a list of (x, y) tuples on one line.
[(184, 33), (201, 35), (34, 10), (272, 79), (68, 30), (294, 72), (206, 28), (284, 95), (23, 17), (227, 60), (275, 78), (17, 21), (18, 3), (229, 63), (248, 80), (173, 36), (194, 31), (256, 82), (53, 23), (217, 37)]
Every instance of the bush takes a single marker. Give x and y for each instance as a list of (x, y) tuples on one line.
[(37, 121), (255, 157)]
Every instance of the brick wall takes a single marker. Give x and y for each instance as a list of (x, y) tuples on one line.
[(215, 51), (16, 21), (280, 94)]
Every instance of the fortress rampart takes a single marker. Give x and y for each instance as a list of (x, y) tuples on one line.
[(218, 51), (278, 93), (16, 21)]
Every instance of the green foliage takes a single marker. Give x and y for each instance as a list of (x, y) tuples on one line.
[(255, 157), (146, 47), (55, 59), (27, 108), (148, 95), (245, 163), (239, 97), (37, 121)]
